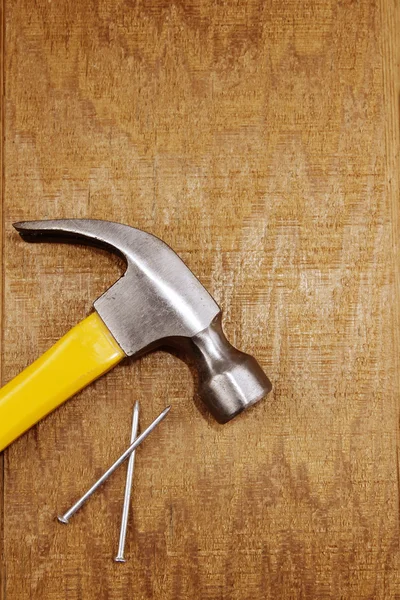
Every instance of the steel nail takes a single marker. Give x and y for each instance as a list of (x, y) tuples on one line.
[(66, 517), (128, 489)]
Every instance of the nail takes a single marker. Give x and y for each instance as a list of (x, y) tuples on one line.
[(66, 517), (128, 489)]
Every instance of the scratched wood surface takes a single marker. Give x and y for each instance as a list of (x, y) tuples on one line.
[(260, 140)]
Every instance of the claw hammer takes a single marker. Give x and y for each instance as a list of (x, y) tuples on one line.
[(158, 301)]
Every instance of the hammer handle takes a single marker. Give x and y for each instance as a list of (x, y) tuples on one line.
[(86, 352)]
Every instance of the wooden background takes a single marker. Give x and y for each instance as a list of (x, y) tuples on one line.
[(260, 139)]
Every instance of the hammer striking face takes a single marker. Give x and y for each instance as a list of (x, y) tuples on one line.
[(157, 302)]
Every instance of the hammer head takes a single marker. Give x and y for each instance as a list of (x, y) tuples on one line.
[(158, 301)]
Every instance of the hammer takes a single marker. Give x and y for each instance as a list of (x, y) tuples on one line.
[(158, 301)]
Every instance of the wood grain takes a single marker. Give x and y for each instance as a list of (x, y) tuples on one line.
[(2, 560), (260, 139)]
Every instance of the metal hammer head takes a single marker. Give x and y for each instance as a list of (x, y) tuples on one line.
[(158, 301)]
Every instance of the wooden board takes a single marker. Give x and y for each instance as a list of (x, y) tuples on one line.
[(260, 140)]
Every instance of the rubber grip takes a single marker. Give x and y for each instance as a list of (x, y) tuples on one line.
[(87, 351)]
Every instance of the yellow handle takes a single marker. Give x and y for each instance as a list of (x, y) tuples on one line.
[(77, 359)]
